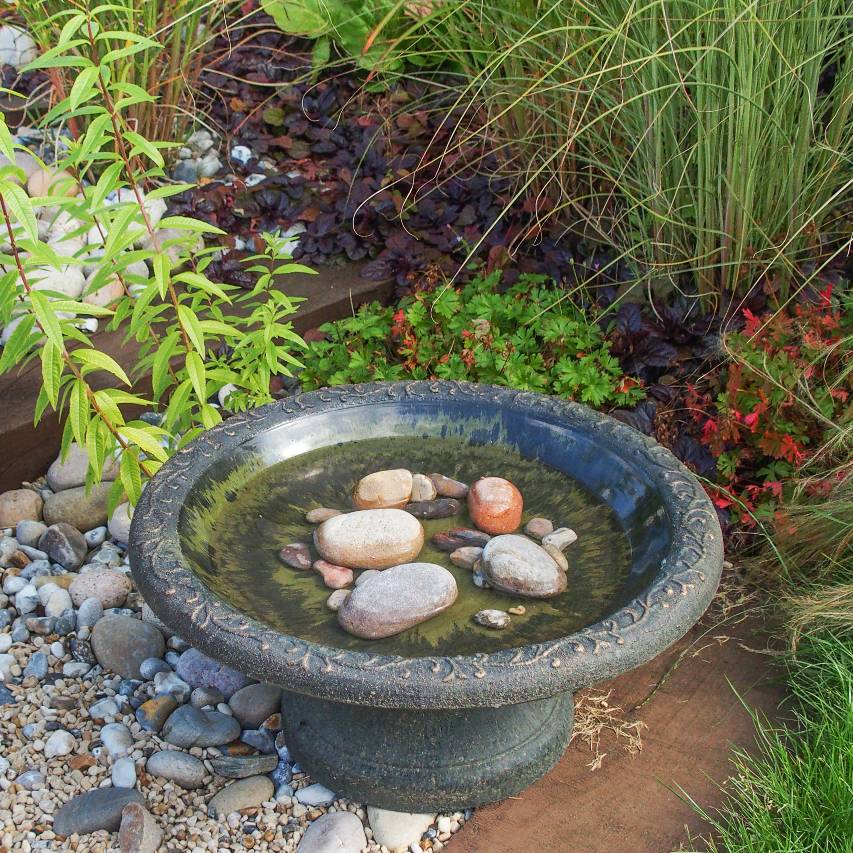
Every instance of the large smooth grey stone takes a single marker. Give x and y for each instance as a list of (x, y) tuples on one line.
[(198, 670), (337, 832), (94, 810), (179, 767), (370, 538), (188, 727), (253, 704), (72, 472), (75, 507), (517, 565), (242, 794), (121, 643), (396, 599)]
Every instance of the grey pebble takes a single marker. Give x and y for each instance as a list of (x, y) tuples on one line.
[(30, 780), (151, 666), (36, 666)]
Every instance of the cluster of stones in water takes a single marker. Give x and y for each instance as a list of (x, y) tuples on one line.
[(383, 537)]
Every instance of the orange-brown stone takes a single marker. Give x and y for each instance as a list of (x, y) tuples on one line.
[(495, 505)]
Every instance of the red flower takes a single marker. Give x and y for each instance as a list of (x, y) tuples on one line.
[(790, 450), (753, 323), (708, 429)]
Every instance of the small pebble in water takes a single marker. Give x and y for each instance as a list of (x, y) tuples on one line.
[(561, 538), (517, 611), (557, 555), (320, 514), (297, 555), (423, 489), (445, 487), (336, 599), (459, 537), (335, 577), (443, 508), (538, 527), (496, 619), (466, 557)]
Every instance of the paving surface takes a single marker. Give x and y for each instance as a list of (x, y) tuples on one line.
[(630, 803), (25, 452)]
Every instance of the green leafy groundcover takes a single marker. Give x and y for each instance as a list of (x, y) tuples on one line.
[(795, 795), (528, 336)]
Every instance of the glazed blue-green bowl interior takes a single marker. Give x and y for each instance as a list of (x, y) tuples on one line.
[(251, 501)]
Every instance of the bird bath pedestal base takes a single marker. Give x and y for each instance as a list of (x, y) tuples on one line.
[(431, 760)]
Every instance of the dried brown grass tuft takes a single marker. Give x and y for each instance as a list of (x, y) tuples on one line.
[(595, 716)]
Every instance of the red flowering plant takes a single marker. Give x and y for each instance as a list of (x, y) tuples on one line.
[(786, 389)]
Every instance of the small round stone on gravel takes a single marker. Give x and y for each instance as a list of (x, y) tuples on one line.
[(65, 545), (201, 697), (151, 666), (60, 742), (198, 670), (188, 727), (97, 809), (170, 682), (29, 532), (117, 739), (152, 715), (96, 536), (179, 767), (108, 586), (121, 643), (138, 832), (252, 704), (242, 794), (30, 780), (37, 666), (89, 612), (103, 709), (341, 832), (316, 795), (123, 774)]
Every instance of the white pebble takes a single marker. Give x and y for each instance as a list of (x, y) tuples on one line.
[(124, 773), (60, 742)]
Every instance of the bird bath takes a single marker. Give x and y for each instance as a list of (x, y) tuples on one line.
[(447, 714)]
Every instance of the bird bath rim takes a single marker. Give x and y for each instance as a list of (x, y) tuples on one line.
[(655, 618)]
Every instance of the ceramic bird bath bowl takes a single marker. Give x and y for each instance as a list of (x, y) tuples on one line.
[(448, 714)]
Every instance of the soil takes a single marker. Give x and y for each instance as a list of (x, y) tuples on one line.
[(633, 802)]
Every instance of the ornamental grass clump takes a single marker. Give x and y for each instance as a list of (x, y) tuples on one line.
[(161, 46), (709, 141)]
